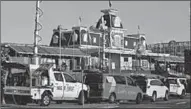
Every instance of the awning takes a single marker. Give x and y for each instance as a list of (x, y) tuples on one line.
[(48, 51), (171, 59)]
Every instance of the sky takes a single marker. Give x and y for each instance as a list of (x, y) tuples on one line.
[(160, 21)]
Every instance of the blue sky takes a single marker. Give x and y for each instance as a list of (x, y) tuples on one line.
[(161, 21)]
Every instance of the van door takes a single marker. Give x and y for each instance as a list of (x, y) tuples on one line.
[(110, 85), (95, 82), (58, 86), (131, 89), (71, 87), (121, 93)]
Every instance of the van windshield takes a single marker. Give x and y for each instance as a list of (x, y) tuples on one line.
[(93, 78)]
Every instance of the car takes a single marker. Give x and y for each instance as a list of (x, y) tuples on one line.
[(177, 86), (45, 85), (112, 88), (152, 88)]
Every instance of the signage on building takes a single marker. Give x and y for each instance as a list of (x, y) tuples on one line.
[(117, 38), (126, 63)]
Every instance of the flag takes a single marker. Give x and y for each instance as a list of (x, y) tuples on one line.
[(110, 3)]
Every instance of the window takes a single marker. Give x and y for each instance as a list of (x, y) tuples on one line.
[(120, 79), (134, 43), (129, 81), (172, 81), (156, 83), (58, 76), (94, 40), (126, 43), (110, 79), (55, 39), (85, 37), (125, 59), (68, 78)]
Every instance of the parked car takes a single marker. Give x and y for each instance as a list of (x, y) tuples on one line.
[(46, 84), (152, 88), (177, 86), (112, 87)]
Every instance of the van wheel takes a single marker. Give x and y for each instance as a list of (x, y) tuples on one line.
[(183, 94), (154, 96), (81, 98), (166, 96), (45, 100), (112, 98), (139, 98)]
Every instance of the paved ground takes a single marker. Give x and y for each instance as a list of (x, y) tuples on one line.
[(174, 102)]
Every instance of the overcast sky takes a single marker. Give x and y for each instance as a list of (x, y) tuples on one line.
[(161, 21)]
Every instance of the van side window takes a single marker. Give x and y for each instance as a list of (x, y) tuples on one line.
[(129, 81), (120, 79), (58, 76), (68, 78), (109, 79)]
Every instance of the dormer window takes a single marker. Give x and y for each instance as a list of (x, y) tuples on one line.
[(134, 44), (94, 39), (116, 22), (126, 43)]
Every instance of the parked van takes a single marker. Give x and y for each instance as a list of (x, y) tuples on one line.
[(112, 87)]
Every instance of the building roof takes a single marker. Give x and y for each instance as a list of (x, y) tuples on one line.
[(46, 50), (172, 59)]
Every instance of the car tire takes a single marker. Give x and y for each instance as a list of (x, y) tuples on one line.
[(166, 96), (183, 94), (80, 98), (154, 96), (138, 99), (112, 98), (45, 100)]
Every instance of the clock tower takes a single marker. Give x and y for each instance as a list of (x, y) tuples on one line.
[(111, 23)]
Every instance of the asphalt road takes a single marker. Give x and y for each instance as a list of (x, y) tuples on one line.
[(173, 102)]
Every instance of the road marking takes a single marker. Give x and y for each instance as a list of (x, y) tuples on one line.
[(181, 103)]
